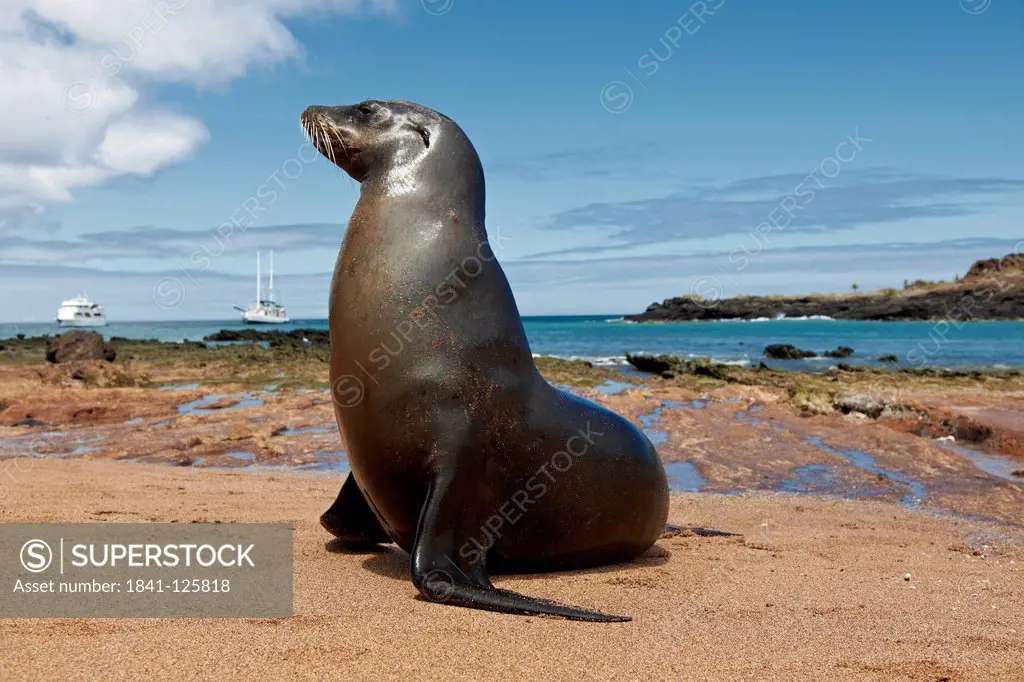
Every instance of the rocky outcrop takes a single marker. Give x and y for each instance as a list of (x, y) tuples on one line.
[(862, 404), (274, 338), (669, 366), (840, 352), (79, 346), (992, 290), (1011, 265), (785, 351), (652, 364), (960, 304)]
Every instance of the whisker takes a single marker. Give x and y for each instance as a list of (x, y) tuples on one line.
[(330, 143), (314, 137), (337, 137), (323, 144), (326, 141), (332, 135), (323, 139)]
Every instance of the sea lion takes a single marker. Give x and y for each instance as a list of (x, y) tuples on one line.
[(461, 453)]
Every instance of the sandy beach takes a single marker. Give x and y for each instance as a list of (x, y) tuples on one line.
[(881, 525), (815, 589)]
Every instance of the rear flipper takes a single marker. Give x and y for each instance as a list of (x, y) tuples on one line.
[(441, 586), (446, 569), (351, 520)]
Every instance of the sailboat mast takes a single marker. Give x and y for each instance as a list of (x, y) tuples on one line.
[(271, 295), (257, 278)]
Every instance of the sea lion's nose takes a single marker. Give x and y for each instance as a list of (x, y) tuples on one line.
[(311, 111)]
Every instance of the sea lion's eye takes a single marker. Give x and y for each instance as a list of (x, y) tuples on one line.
[(365, 109)]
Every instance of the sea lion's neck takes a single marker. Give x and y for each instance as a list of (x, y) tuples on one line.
[(444, 179), (446, 197)]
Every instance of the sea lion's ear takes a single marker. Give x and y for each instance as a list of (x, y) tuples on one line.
[(422, 131)]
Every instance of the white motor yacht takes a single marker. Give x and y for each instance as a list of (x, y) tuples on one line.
[(80, 312)]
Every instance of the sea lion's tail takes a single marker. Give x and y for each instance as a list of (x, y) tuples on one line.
[(505, 601)]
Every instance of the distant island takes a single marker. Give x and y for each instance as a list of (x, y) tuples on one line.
[(992, 289)]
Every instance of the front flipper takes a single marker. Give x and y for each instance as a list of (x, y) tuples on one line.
[(445, 569), (351, 520)]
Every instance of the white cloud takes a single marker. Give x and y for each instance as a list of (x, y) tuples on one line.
[(141, 145), (75, 75)]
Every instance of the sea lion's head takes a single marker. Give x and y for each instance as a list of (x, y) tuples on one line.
[(374, 136)]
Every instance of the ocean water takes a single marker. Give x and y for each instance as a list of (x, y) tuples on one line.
[(605, 339)]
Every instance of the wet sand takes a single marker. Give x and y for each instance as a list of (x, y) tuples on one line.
[(723, 439), (814, 589)]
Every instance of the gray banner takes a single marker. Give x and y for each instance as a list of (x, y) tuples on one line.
[(146, 570)]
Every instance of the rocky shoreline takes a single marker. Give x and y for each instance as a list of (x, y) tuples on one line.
[(64, 381), (992, 290)]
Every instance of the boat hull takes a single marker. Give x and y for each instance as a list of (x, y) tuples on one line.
[(83, 323), (264, 320)]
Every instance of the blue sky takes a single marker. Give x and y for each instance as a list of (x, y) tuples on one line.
[(633, 151)]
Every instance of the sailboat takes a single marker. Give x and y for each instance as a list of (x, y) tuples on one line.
[(266, 310)]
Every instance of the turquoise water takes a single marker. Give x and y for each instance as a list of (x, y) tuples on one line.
[(605, 339)]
